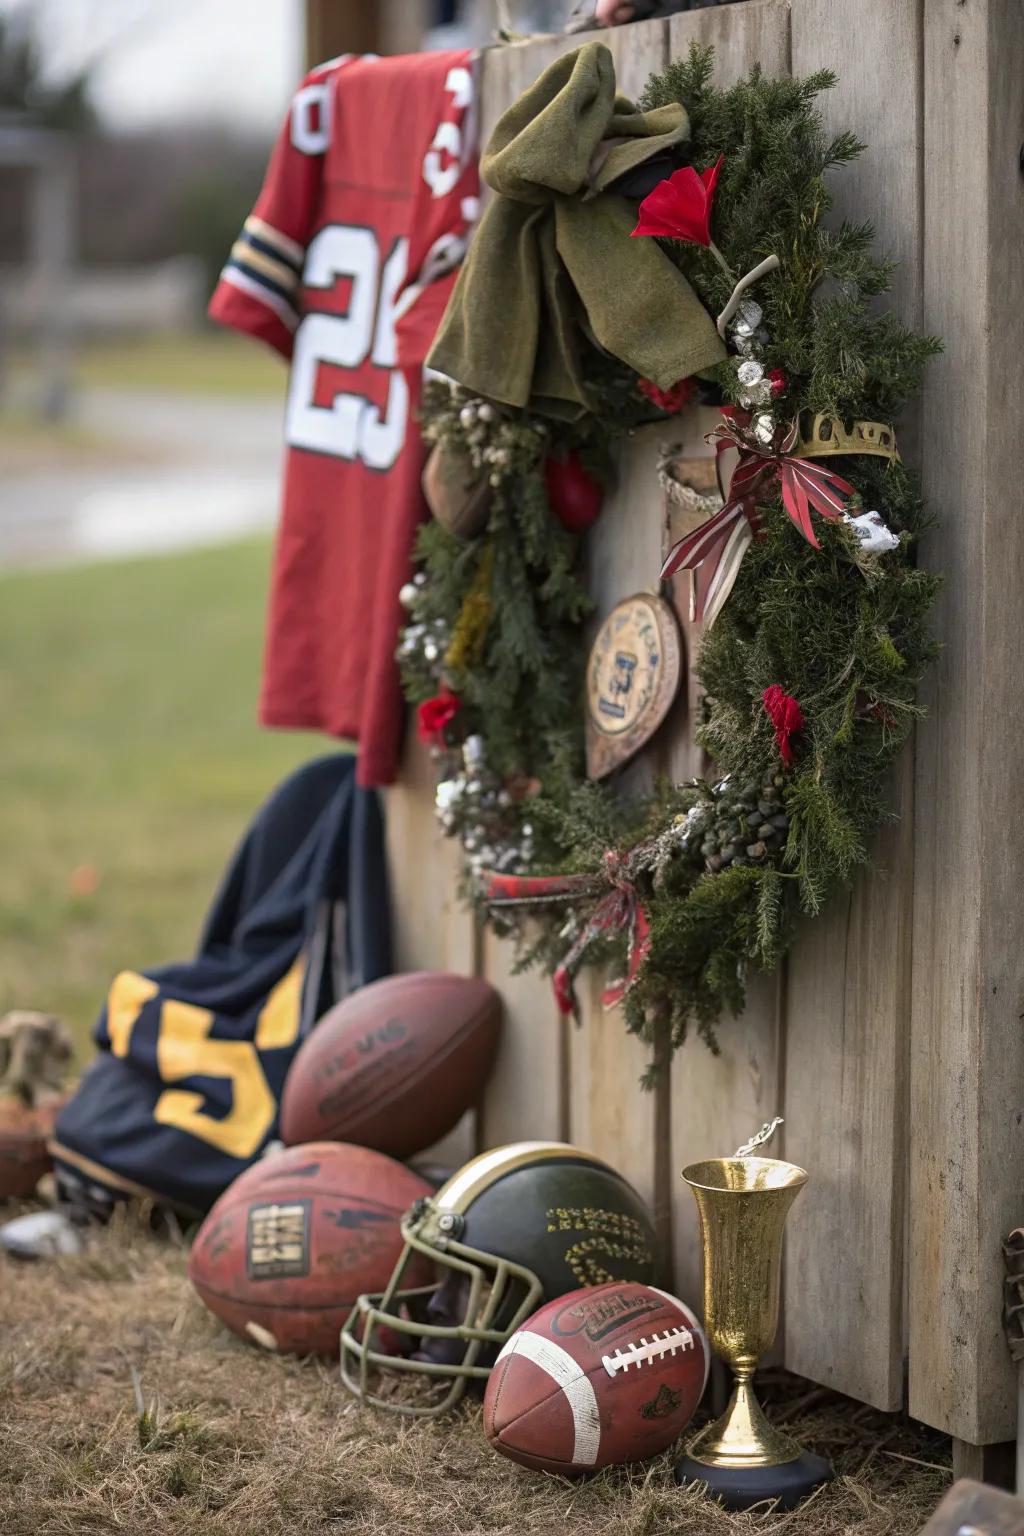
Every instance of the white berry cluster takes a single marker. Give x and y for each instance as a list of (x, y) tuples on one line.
[(473, 805)]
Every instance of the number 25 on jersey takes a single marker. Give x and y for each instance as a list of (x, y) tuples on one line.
[(349, 426)]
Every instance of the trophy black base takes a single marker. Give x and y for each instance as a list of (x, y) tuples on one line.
[(740, 1487)]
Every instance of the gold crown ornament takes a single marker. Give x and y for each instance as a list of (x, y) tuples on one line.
[(826, 437)]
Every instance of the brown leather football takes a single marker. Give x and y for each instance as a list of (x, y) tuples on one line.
[(394, 1066), (609, 1374), (295, 1239)]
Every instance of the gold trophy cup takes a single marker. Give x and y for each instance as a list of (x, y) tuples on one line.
[(743, 1203)]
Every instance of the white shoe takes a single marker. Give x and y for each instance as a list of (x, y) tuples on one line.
[(40, 1235)]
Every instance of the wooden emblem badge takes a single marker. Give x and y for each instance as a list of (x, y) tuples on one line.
[(632, 677)]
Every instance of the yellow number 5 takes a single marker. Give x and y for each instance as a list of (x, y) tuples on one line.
[(185, 1049)]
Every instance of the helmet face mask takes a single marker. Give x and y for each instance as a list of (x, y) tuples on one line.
[(493, 1296), (512, 1229)]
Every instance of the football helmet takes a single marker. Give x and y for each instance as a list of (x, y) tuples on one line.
[(514, 1228)]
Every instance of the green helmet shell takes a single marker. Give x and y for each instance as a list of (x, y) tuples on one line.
[(556, 1210)]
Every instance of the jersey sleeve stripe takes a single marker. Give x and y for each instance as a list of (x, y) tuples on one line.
[(260, 289), (266, 249), (259, 265), (280, 245)]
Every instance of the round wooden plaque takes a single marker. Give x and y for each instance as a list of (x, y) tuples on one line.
[(633, 675)]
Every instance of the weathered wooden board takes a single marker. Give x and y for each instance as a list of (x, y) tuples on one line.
[(967, 1044), (758, 34), (847, 1016), (608, 1112), (432, 931), (639, 50), (431, 927), (719, 1101), (526, 1097)]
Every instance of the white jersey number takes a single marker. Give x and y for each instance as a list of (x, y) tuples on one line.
[(350, 426)]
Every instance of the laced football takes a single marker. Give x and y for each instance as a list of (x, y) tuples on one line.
[(612, 1373)]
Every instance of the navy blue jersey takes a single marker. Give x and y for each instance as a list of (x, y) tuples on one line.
[(185, 1091)]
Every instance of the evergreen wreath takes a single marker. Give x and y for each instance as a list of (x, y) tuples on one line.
[(810, 670)]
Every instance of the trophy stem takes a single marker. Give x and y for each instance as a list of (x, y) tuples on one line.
[(743, 1437)]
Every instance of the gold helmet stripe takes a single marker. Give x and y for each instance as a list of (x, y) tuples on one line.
[(479, 1174)]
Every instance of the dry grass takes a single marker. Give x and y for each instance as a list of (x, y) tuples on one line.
[(238, 1443)]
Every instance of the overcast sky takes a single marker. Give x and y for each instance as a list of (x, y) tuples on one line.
[(159, 61)]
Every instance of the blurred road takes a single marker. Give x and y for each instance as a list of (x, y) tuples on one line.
[(181, 471)]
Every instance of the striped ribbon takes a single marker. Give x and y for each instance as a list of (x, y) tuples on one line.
[(619, 910), (714, 552)]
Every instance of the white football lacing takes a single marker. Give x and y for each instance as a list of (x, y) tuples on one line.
[(648, 1349)]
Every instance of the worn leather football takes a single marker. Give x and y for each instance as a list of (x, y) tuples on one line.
[(609, 1374), (395, 1065), (295, 1239)]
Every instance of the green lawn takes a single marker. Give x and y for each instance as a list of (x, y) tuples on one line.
[(210, 361), (207, 362), (130, 748)]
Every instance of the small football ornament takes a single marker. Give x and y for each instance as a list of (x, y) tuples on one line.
[(295, 1239), (459, 500), (604, 1375), (394, 1066)]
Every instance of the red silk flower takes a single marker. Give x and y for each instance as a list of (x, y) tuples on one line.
[(671, 401), (679, 208), (786, 717), (435, 714), (778, 381)]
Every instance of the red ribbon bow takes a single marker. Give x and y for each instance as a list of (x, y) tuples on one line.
[(619, 910), (717, 547)]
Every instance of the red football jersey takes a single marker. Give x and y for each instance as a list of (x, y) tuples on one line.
[(345, 266)]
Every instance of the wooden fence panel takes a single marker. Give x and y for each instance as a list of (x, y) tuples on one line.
[(717, 1102), (848, 994), (967, 1050), (827, 1043)]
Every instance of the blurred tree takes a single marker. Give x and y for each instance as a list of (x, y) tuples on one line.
[(23, 88), (211, 209)]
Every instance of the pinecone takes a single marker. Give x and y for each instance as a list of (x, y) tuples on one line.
[(744, 823)]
